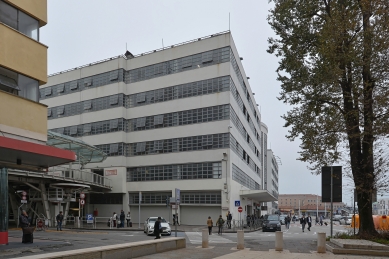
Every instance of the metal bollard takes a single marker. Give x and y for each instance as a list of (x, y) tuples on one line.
[(240, 243), (321, 242), (279, 241), (205, 238)]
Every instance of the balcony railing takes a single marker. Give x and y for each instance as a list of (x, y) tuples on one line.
[(80, 175)]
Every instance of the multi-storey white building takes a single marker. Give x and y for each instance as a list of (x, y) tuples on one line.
[(272, 181), (179, 117)]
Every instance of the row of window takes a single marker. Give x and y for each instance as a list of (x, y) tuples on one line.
[(208, 58), (238, 149), (105, 198), (82, 84), (120, 100), (18, 84), (208, 170), (243, 132), (242, 107), (169, 67), (203, 87), (19, 20), (243, 85), (200, 115), (186, 197), (193, 143), (241, 177)]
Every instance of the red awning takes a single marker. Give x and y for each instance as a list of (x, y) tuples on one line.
[(16, 153)]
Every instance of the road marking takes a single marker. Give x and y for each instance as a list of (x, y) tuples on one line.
[(127, 235), (196, 238)]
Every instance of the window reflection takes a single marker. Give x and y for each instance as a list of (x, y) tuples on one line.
[(19, 20)]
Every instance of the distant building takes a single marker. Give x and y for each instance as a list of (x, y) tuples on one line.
[(381, 207), (307, 204)]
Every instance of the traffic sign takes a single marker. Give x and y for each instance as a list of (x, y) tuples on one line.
[(177, 196), (82, 202), (237, 203), (23, 201), (89, 218), (24, 198), (82, 195), (24, 193), (240, 209)]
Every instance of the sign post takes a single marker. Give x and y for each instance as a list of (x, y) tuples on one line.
[(177, 203), (140, 200), (240, 209)]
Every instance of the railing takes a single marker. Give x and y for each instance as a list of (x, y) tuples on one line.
[(142, 54), (80, 175), (244, 224)]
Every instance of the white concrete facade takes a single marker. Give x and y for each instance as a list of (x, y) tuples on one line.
[(223, 188)]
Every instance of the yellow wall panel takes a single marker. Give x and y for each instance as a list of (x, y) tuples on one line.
[(35, 8), (22, 54), (24, 114)]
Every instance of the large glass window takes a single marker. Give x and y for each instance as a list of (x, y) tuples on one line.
[(8, 15), (28, 25), (17, 84), (19, 20)]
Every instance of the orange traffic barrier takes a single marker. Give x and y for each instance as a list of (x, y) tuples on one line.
[(381, 222)]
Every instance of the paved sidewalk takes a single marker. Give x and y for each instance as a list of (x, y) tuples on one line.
[(233, 253)]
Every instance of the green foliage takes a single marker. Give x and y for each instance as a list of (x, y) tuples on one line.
[(334, 72)]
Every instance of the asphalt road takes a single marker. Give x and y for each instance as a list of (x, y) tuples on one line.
[(53, 241)]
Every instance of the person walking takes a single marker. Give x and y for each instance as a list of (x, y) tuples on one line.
[(321, 220), (303, 221), (248, 220), (114, 218), (122, 218), (59, 219), (210, 225), (128, 218), (178, 223), (220, 223), (157, 228), (229, 219), (174, 219), (287, 221), (309, 222), (316, 220)]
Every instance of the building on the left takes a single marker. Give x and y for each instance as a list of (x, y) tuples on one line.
[(23, 120)]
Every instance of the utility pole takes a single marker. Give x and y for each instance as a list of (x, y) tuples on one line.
[(317, 205)]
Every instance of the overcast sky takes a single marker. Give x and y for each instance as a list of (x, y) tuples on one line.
[(83, 31)]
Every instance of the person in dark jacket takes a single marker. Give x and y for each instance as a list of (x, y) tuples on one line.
[(303, 221), (157, 228), (23, 219), (122, 218), (59, 219), (309, 222)]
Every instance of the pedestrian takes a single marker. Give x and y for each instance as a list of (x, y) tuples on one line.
[(122, 218), (210, 225), (220, 223), (174, 219), (303, 221), (128, 218), (321, 220), (309, 222), (114, 218), (24, 223), (316, 220), (178, 222), (157, 228), (229, 219), (287, 221), (248, 220), (294, 219), (59, 219)]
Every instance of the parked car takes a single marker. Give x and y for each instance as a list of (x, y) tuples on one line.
[(149, 226), (336, 217), (345, 220), (282, 219), (271, 223)]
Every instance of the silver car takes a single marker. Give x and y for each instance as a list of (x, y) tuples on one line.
[(149, 226), (345, 220), (282, 219)]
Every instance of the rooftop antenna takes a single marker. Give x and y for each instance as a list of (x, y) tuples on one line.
[(162, 44), (229, 22)]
